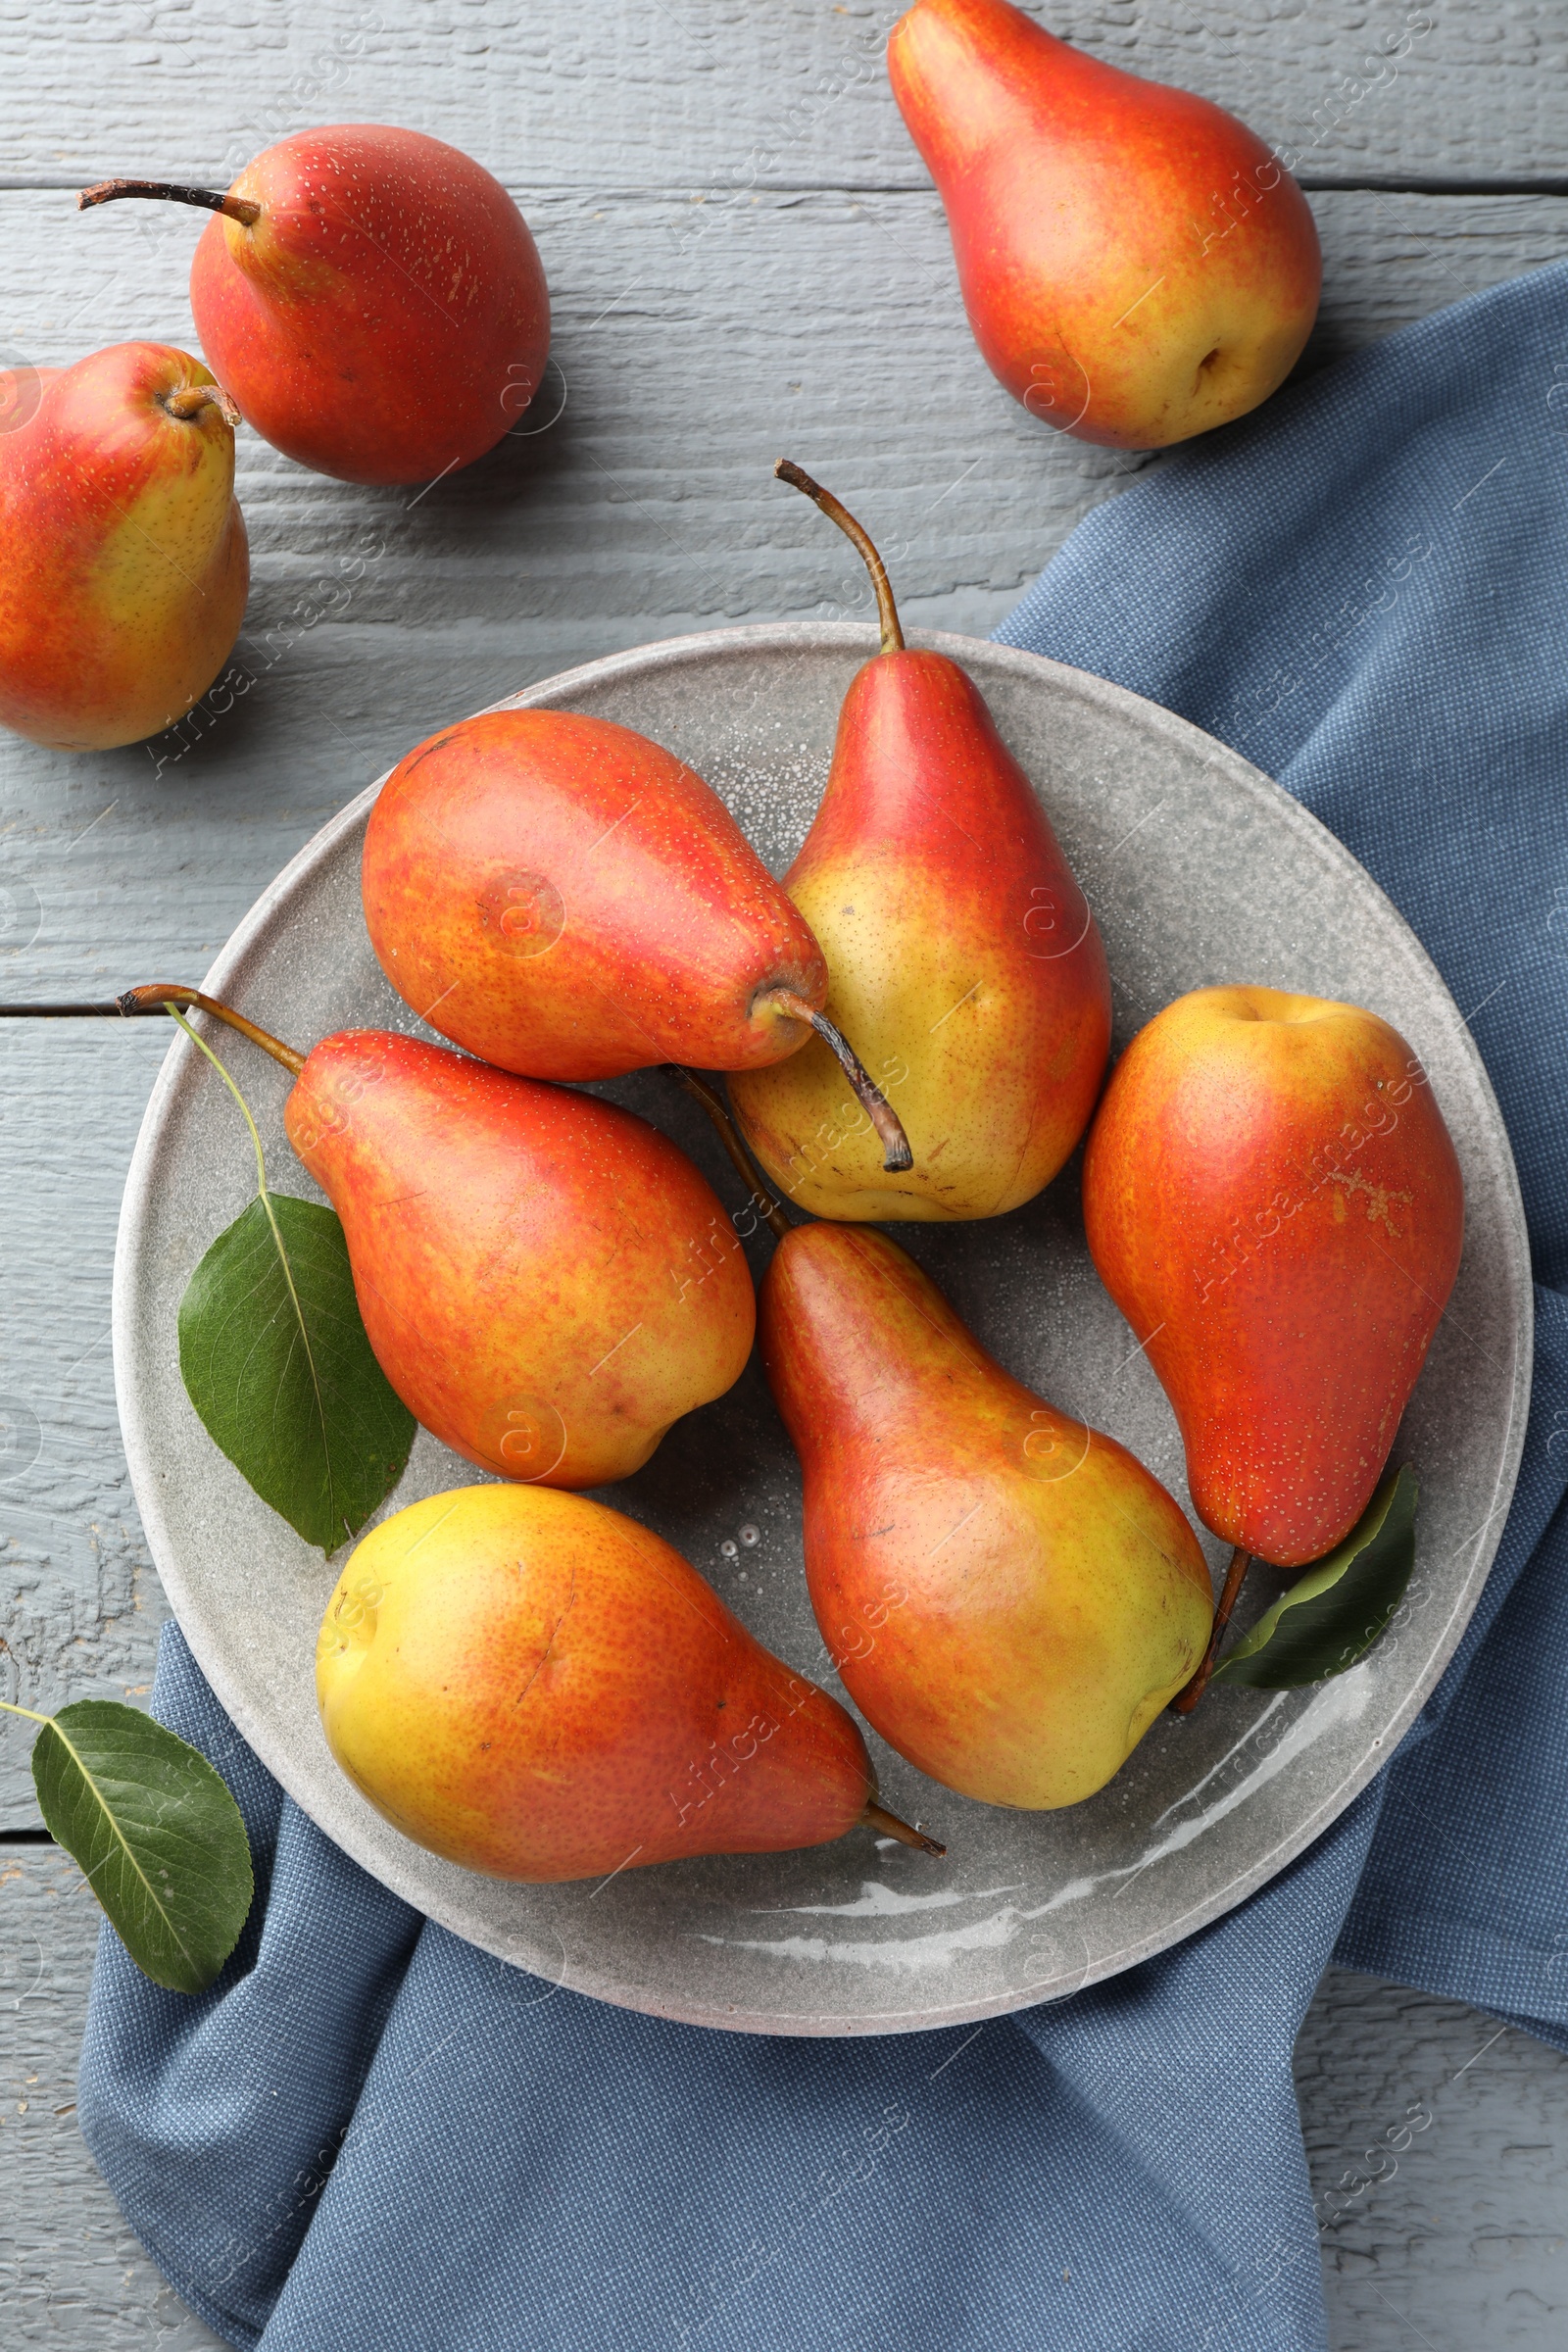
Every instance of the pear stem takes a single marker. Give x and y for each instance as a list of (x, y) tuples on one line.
[(887, 610), (1186, 1700), (729, 1136), (159, 997), (191, 400), (895, 1153), (164, 191), (887, 1825)]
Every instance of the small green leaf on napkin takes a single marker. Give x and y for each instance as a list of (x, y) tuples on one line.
[(1333, 1616), (157, 1833), (277, 1362), (276, 1358)]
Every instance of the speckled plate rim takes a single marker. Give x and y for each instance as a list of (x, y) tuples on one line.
[(403, 1876)]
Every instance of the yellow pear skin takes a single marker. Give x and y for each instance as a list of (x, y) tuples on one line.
[(1009, 1598), (538, 1687)]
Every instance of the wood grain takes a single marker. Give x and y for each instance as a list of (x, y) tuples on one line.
[(1437, 2141), (746, 257), (73, 2277), (728, 94)]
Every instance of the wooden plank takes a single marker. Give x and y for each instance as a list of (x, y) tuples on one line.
[(70, 2270), (646, 510), (1439, 2148), (726, 94)]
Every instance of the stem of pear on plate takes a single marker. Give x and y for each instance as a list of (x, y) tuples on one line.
[(1187, 1699), (769, 1209), (157, 997)]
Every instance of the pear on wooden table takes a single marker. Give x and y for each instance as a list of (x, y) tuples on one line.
[(1136, 263), (123, 565)]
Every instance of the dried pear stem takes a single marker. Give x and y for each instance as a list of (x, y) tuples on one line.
[(729, 1136), (165, 191), (887, 1825), (191, 400), (887, 610), (1186, 1700), (157, 997), (895, 1153)]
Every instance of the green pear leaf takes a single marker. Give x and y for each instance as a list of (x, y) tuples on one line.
[(155, 1832), (1333, 1616), (276, 1359)]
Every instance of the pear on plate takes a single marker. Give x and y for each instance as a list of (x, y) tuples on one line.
[(963, 957), (1274, 1202), (1009, 1597), (547, 1281), (567, 898), (538, 1687)]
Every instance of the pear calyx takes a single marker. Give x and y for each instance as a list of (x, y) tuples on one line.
[(164, 191)]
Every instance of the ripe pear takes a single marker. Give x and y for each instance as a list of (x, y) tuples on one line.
[(1009, 1598), (371, 297), (123, 567), (568, 899), (1136, 265), (965, 960), (547, 1281), (540, 1689), (1274, 1203)]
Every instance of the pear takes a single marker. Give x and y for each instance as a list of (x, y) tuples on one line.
[(567, 899), (1273, 1200), (123, 567), (1136, 265), (1009, 1598), (371, 297), (965, 960), (537, 1687), (547, 1281)]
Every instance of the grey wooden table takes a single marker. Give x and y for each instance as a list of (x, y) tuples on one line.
[(744, 257)]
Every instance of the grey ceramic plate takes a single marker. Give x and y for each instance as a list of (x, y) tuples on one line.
[(1199, 870)]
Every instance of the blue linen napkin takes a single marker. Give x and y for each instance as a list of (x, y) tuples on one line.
[(370, 2137)]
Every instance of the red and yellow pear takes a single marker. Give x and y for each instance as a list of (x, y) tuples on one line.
[(962, 956), (1136, 265), (568, 899), (1009, 1597), (546, 1280), (371, 298), (123, 567), (540, 1689), (1273, 1200)]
